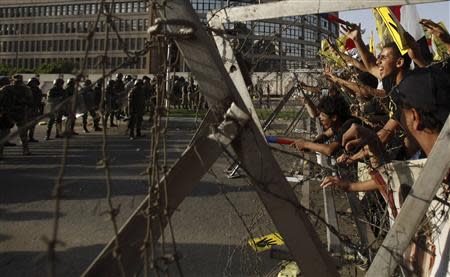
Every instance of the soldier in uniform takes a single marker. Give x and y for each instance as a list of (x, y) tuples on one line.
[(4, 121), (71, 118), (192, 94), (36, 109), (109, 103), (88, 95), (98, 94), (120, 96), (55, 96), (136, 108), (17, 100), (185, 96)]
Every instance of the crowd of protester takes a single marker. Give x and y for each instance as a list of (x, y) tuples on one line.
[(128, 98), (390, 107)]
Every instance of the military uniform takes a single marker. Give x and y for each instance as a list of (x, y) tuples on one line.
[(88, 95), (136, 108), (37, 107), (109, 104), (16, 102), (55, 97), (70, 91)]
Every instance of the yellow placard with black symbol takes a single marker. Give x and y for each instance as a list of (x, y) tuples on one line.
[(265, 242), (395, 28)]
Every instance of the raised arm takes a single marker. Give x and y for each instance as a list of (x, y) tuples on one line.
[(369, 60)]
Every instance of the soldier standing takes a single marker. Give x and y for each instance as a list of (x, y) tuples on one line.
[(71, 113), (55, 97), (17, 100), (88, 95), (109, 103), (5, 121), (136, 108), (191, 88), (120, 96), (36, 109)]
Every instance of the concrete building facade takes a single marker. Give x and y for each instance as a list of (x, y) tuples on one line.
[(38, 32)]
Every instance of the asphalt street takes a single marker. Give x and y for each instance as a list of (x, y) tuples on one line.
[(209, 234)]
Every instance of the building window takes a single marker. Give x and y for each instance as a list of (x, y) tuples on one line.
[(311, 19), (310, 35)]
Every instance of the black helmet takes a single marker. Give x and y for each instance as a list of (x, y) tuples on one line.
[(111, 83), (18, 77), (4, 81), (70, 81), (33, 80), (119, 76), (128, 78), (58, 82), (138, 82), (87, 83)]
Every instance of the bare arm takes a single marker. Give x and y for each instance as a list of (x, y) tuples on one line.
[(355, 88), (369, 60), (347, 185), (326, 149)]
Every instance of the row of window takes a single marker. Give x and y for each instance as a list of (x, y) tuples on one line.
[(70, 27), (299, 50), (92, 63), (204, 6), (69, 45), (72, 9)]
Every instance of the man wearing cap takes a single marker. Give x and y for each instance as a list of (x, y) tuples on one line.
[(17, 100), (35, 110)]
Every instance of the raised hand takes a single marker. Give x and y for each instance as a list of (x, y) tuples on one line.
[(436, 29), (336, 182), (353, 31)]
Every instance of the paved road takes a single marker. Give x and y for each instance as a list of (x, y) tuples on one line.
[(208, 233)]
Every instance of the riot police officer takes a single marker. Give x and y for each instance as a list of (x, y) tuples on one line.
[(70, 91), (109, 103), (55, 97), (136, 108), (17, 100), (88, 95), (36, 109)]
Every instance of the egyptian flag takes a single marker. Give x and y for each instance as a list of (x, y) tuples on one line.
[(349, 44), (409, 19)]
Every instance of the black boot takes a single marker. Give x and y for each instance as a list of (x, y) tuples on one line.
[(47, 137)]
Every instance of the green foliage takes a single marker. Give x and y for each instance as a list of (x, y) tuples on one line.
[(56, 68), (8, 70), (51, 68)]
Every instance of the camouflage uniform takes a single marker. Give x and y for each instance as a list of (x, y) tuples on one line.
[(16, 102), (88, 95), (55, 97), (71, 113), (37, 107), (136, 108)]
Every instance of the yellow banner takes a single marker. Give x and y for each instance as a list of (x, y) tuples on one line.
[(395, 28), (441, 48)]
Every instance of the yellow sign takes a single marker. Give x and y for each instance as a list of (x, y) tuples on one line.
[(265, 242), (372, 45), (441, 48), (395, 28)]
